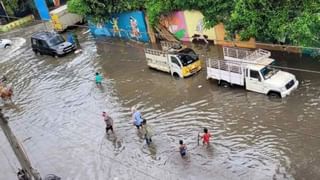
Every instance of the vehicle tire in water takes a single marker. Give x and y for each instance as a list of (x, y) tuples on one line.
[(274, 95), (224, 84), (176, 76), (7, 46)]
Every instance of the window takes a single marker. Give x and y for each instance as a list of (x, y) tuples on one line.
[(42, 43), (34, 42), (254, 74), (175, 61), (56, 40), (267, 72)]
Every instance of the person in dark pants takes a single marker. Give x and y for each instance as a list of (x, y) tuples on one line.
[(109, 122), (147, 132), (182, 149)]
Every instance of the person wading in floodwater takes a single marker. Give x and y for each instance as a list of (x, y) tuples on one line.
[(147, 132), (109, 122), (98, 80), (182, 148), (206, 137), (136, 116)]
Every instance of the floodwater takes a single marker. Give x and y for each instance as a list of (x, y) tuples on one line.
[(57, 115)]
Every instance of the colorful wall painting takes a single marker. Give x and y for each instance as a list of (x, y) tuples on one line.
[(195, 26), (175, 23), (129, 25)]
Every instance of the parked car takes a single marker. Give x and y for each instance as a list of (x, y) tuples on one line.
[(5, 43), (50, 43)]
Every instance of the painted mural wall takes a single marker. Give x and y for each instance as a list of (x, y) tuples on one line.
[(129, 25), (195, 24), (175, 23), (187, 26)]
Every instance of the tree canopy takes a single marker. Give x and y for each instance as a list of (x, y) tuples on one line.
[(288, 21), (100, 10)]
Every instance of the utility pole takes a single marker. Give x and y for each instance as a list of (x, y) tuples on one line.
[(5, 11), (29, 172)]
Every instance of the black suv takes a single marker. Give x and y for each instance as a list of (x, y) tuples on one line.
[(50, 43)]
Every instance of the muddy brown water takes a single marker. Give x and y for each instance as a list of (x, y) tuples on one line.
[(57, 115)]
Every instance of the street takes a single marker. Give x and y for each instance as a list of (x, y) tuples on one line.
[(57, 115)]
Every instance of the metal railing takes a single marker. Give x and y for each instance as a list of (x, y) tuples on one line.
[(167, 45), (224, 65), (246, 54), (154, 52)]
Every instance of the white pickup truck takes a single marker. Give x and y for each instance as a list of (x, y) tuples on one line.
[(178, 61), (253, 70)]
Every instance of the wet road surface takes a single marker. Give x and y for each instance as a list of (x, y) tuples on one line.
[(57, 115)]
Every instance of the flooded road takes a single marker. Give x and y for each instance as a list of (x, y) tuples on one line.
[(57, 115)]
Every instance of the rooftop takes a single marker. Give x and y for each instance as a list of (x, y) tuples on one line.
[(42, 35)]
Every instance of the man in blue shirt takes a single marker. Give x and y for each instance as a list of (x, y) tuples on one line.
[(137, 119)]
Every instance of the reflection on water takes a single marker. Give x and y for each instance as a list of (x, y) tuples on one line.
[(57, 110)]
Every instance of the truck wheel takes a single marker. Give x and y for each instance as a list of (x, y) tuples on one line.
[(55, 56), (176, 75), (274, 95), (7, 46), (224, 84)]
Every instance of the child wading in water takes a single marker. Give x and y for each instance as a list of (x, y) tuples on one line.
[(98, 79), (147, 132), (206, 136), (182, 149)]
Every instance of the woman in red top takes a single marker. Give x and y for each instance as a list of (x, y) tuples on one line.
[(206, 136)]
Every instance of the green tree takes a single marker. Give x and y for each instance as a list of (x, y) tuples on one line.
[(11, 6), (288, 21), (101, 10)]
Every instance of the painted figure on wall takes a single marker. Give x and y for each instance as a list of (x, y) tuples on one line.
[(100, 30), (115, 26), (127, 25), (135, 33), (200, 35), (175, 23)]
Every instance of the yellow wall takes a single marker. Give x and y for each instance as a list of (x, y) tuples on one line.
[(221, 33), (191, 19)]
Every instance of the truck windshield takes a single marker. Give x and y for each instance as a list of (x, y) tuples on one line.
[(186, 59), (267, 72), (56, 40), (187, 56), (190, 52)]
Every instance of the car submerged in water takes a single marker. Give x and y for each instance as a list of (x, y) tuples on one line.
[(5, 43), (50, 43)]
